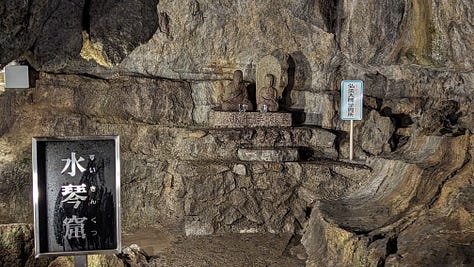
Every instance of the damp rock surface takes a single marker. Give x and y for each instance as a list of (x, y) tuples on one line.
[(17, 246), (154, 72)]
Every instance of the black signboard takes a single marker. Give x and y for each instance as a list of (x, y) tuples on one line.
[(76, 195)]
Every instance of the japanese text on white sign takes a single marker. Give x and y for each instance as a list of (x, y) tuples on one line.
[(351, 99)]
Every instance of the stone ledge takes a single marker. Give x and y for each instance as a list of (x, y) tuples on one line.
[(225, 119), (282, 154)]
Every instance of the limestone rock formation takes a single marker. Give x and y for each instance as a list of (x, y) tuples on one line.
[(16, 246), (377, 224), (155, 74), (62, 36)]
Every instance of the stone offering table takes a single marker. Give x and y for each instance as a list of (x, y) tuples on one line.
[(224, 119)]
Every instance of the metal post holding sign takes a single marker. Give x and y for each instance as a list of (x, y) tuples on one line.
[(352, 92), (76, 196)]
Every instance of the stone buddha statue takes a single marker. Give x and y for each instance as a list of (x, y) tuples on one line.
[(267, 95), (236, 94)]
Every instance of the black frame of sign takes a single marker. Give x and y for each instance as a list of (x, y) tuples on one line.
[(76, 212)]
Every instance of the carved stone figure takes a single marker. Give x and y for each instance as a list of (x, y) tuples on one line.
[(236, 94), (267, 95), (275, 64)]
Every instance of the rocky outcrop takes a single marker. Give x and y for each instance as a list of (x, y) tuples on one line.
[(163, 150), (78, 36), (17, 246), (376, 132), (376, 225), (320, 198)]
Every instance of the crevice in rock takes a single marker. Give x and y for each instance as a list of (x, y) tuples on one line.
[(163, 23), (329, 11), (355, 231), (298, 117), (294, 241), (340, 137), (307, 212), (399, 121), (390, 249), (86, 22), (91, 76), (306, 153), (392, 246), (372, 102), (450, 120), (397, 141), (375, 238), (252, 93), (294, 248)]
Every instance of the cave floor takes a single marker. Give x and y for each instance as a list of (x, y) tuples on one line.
[(168, 248)]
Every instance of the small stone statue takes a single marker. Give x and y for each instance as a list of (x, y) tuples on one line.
[(235, 95), (267, 97)]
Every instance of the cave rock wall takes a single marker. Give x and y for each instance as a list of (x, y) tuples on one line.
[(155, 74)]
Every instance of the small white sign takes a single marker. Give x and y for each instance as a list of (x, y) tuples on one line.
[(352, 92), (16, 76)]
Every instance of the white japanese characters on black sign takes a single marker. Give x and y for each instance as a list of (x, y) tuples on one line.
[(76, 195)]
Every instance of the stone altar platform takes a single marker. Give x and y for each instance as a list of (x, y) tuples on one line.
[(227, 119)]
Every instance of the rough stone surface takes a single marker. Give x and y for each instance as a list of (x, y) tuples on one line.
[(119, 37), (20, 26), (422, 32), (17, 246), (319, 108), (160, 141), (272, 197), (244, 38), (240, 169), (51, 33), (124, 99), (377, 224), (376, 133), (407, 203)]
